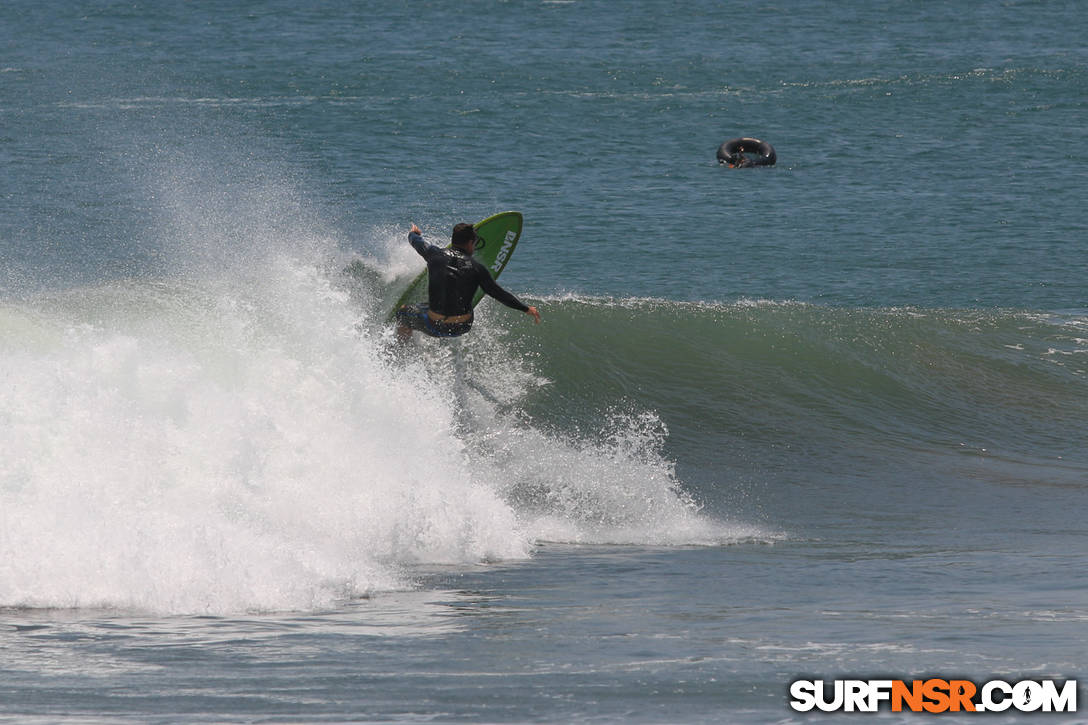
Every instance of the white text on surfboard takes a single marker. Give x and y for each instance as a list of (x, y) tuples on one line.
[(507, 243)]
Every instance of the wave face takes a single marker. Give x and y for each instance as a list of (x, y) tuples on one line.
[(771, 393), (253, 441), (1005, 377)]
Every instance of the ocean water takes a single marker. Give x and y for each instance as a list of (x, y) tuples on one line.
[(824, 420)]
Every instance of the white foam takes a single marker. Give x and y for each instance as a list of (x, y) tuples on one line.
[(243, 440), (191, 449)]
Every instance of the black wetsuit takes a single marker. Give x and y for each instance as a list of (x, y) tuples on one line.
[(453, 278)]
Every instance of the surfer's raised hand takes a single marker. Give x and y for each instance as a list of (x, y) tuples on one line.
[(415, 230), (536, 315)]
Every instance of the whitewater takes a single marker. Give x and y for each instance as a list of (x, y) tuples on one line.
[(258, 444)]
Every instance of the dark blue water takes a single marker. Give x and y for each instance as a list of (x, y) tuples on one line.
[(823, 419)]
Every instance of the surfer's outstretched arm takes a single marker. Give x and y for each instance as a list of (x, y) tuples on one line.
[(491, 287)]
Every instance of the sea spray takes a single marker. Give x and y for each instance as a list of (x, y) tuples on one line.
[(618, 488), (255, 442), (215, 449)]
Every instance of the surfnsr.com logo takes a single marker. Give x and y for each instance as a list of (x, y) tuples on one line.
[(933, 695)]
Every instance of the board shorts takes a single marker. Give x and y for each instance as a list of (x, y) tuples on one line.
[(415, 317)]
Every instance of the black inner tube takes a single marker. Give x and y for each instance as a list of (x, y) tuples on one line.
[(733, 152)]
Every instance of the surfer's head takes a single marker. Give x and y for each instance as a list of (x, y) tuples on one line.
[(463, 235)]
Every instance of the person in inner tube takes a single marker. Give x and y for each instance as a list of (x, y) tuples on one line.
[(739, 160), (453, 276)]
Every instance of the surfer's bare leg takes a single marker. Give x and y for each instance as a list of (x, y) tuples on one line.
[(404, 333)]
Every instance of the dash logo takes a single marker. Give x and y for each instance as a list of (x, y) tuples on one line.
[(504, 252)]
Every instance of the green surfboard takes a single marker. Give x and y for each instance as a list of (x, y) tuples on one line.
[(499, 235)]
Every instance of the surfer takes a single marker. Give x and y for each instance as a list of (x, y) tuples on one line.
[(453, 278)]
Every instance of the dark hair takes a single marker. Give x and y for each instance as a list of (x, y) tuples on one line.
[(463, 234)]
